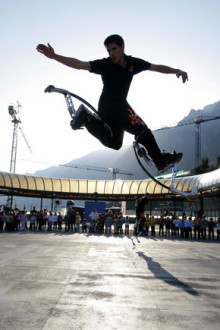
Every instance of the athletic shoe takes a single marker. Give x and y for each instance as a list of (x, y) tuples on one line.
[(167, 160), (79, 119)]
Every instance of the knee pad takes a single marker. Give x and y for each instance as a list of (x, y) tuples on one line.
[(116, 145)]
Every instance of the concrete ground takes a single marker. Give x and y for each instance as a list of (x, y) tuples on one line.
[(77, 281)]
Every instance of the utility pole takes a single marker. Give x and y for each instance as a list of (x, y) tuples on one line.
[(198, 121), (14, 113)]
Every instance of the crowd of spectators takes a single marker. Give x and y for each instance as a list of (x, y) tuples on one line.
[(110, 223), (184, 227)]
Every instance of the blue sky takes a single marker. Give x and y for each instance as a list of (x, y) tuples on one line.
[(182, 34)]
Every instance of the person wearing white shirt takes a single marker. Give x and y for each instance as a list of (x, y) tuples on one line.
[(55, 216), (176, 223), (94, 216), (23, 218), (189, 227)]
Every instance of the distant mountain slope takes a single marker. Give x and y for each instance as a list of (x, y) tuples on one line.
[(105, 158), (180, 138)]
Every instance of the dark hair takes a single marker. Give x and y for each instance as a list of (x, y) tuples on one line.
[(114, 38)]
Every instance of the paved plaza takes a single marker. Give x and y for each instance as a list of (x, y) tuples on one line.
[(85, 281)]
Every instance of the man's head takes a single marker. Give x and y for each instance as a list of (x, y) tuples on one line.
[(115, 47), (114, 39)]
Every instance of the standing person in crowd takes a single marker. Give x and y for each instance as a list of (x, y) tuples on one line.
[(94, 214), (127, 225), (172, 226), (152, 225), (161, 225), (147, 224), (190, 227), (176, 223), (50, 221), (211, 226), (16, 220), (78, 222), (35, 223), (84, 226), (7, 225), (203, 227), (72, 220), (94, 217), (19, 220), (59, 221), (115, 223), (33, 211), (66, 220), (167, 226), (92, 226), (182, 227), (2, 220), (120, 223), (186, 221), (55, 216), (45, 218), (100, 223), (196, 223), (23, 218), (18, 213), (218, 228), (108, 222), (10, 222), (40, 220), (33, 219)]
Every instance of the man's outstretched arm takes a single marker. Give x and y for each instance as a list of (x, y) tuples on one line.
[(166, 69), (69, 61)]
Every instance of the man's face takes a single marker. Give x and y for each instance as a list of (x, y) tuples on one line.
[(116, 53)]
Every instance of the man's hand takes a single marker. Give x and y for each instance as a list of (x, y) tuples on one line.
[(46, 50), (183, 75), (167, 69)]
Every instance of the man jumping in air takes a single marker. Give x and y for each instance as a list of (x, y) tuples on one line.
[(116, 115)]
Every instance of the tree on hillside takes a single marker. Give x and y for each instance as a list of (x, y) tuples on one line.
[(204, 166)]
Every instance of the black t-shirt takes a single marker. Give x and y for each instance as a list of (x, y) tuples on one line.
[(116, 79)]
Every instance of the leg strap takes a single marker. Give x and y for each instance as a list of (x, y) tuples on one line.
[(146, 138)]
